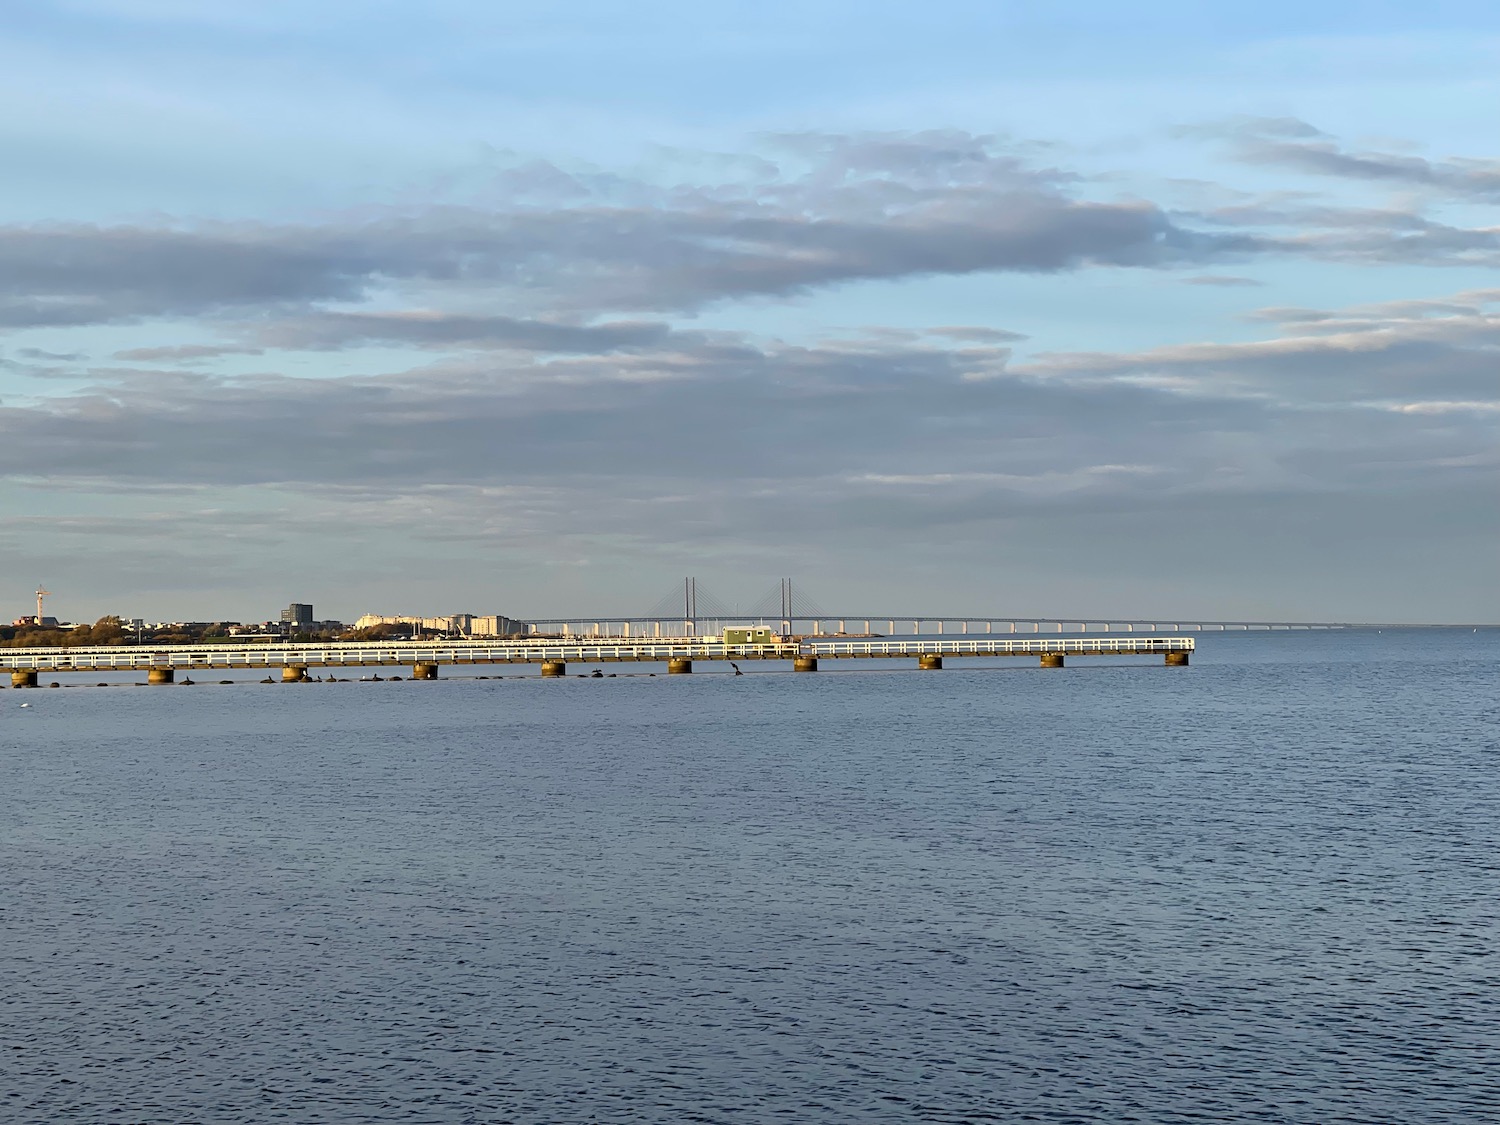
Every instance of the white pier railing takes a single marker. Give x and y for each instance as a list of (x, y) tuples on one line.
[(995, 646), (125, 658), (368, 654)]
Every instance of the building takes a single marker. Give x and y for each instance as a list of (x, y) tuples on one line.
[(415, 624), (455, 624), (297, 615), (495, 625)]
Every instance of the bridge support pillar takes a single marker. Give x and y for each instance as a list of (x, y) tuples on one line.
[(160, 676), (23, 677), (805, 664), (1177, 659), (424, 672), (931, 661), (294, 674), (1052, 660), (552, 668), (679, 666)]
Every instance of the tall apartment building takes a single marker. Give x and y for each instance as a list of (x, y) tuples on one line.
[(297, 615)]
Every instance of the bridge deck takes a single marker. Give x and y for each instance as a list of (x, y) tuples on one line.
[(257, 657)]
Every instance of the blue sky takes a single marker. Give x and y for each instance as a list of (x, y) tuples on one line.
[(525, 308)]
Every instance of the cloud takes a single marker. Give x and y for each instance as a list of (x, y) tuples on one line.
[(566, 405), (417, 328), (834, 210), (1383, 356), (1293, 226), (1416, 224), (75, 274), (695, 435), (1223, 281), (1491, 407), (604, 265), (55, 357), (720, 448), (1288, 143), (182, 353), (977, 334), (433, 329), (536, 268)]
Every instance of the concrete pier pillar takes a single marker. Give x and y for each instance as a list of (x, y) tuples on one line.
[(552, 668), (805, 664), (160, 676), (930, 661), (1052, 660), (679, 666), (1177, 659), (294, 674), (424, 672), (23, 677)]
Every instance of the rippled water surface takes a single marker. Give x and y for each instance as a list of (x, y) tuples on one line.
[(1263, 888)]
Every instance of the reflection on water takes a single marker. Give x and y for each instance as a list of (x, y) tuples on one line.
[(1258, 889)]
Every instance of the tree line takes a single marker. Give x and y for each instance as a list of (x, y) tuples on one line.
[(112, 630)]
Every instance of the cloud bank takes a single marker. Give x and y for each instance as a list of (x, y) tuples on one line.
[(529, 378)]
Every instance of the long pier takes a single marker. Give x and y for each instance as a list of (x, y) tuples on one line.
[(161, 663)]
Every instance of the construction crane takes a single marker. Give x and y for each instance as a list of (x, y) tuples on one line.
[(40, 594)]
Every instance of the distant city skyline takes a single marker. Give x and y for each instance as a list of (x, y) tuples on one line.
[(1167, 310)]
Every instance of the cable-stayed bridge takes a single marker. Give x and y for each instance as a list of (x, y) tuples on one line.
[(690, 609), (905, 624)]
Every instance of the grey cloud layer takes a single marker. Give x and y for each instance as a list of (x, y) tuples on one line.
[(843, 209), (564, 402), (1297, 145), (563, 249), (328, 331), (581, 261), (889, 434), (569, 261)]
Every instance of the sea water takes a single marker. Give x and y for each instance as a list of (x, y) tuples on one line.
[(1261, 888)]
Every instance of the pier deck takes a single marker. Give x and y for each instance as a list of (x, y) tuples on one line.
[(995, 646), (162, 661)]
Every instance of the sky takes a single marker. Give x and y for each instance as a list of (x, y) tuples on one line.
[(1076, 310)]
